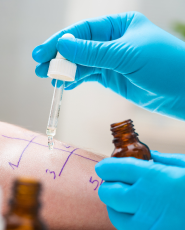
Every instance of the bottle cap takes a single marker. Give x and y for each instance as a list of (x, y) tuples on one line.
[(60, 68)]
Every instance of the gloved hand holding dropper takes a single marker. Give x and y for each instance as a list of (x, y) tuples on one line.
[(136, 59), (126, 53)]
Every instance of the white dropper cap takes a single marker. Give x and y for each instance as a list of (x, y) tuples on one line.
[(60, 68)]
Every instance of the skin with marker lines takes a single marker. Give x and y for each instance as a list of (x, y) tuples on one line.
[(70, 184)]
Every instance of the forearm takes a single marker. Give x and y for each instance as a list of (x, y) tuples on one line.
[(70, 184)]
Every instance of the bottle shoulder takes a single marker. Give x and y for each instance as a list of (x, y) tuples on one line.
[(135, 149)]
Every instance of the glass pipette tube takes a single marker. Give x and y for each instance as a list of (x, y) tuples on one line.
[(54, 114)]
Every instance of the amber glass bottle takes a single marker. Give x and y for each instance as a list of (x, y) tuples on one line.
[(24, 206), (127, 143)]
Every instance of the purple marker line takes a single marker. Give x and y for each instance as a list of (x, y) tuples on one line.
[(66, 146), (67, 151), (66, 162), (17, 165), (51, 172), (54, 148), (37, 143), (101, 182), (85, 157), (16, 138)]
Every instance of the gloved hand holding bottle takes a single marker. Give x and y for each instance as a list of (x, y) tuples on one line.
[(126, 53), (143, 194)]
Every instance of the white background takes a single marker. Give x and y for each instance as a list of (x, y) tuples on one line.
[(87, 111)]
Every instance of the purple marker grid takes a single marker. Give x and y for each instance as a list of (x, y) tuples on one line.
[(33, 142), (47, 170), (17, 165)]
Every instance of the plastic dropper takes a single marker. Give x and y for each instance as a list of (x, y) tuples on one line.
[(63, 70), (54, 114)]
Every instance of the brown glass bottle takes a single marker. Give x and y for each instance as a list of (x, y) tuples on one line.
[(127, 143), (24, 206)]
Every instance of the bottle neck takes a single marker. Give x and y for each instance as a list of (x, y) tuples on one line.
[(123, 133), (25, 198)]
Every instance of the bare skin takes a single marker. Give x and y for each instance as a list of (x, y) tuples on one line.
[(70, 184)]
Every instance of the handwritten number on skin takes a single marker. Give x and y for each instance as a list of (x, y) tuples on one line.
[(47, 170), (92, 181), (62, 166), (98, 184)]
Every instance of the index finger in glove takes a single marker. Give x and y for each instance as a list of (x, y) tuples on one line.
[(98, 29), (127, 170)]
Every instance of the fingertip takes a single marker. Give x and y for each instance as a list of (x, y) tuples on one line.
[(99, 167), (44, 53), (39, 54), (41, 70)]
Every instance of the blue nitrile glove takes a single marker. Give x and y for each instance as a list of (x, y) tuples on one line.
[(126, 53), (143, 194)]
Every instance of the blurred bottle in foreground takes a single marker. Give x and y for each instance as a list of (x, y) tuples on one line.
[(127, 143), (24, 206), (1, 218)]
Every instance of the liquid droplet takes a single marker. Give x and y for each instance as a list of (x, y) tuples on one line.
[(50, 142)]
